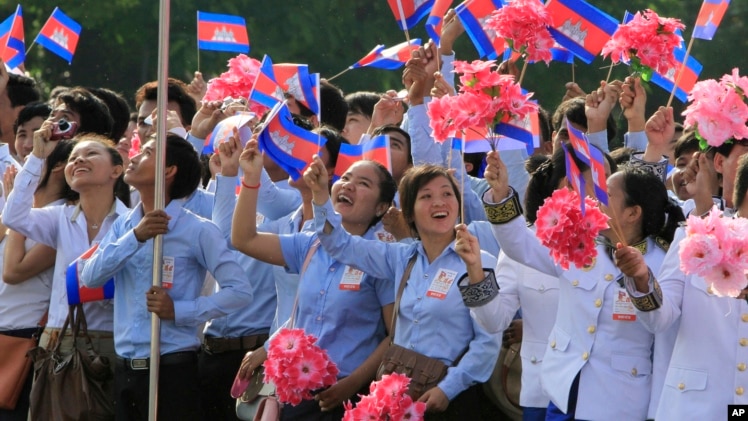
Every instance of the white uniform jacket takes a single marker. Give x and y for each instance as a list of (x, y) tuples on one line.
[(595, 335)]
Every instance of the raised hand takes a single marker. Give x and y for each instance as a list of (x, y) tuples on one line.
[(229, 152), (316, 178), (496, 176), (633, 101), (197, 87), (631, 263), (250, 161), (660, 129), (206, 119)]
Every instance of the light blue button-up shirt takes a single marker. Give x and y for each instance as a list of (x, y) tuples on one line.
[(196, 245), (437, 327), (346, 319), (256, 317)]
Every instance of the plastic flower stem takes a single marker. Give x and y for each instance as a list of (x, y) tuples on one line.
[(616, 227), (680, 72), (522, 73), (610, 72), (572, 73)]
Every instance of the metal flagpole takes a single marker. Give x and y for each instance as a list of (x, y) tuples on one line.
[(161, 104)]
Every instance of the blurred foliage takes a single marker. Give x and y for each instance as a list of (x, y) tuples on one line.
[(119, 42)]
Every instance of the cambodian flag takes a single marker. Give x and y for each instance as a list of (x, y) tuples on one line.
[(593, 157), (375, 149), (691, 72), (558, 53), (295, 80), (290, 146), (12, 46), (473, 15), (409, 12), (436, 19), (574, 176), (266, 90), (389, 58), (225, 129), (580, 27), (222, 33), (526, 131), (710, 16), (60, 35), (77, 293)]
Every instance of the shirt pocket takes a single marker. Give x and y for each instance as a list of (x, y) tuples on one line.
[(538, 284), (533, 351), (559, 340), (634, 365), (685, 379)]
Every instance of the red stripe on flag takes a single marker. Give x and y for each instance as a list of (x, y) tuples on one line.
[(54, 26), (711, 12), (594, 39), (207, 30)]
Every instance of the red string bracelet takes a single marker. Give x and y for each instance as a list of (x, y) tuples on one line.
[(255, 187)]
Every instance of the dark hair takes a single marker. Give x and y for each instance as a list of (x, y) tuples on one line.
[(121, 189), (334, 140), (544, 120), (59, 155), (31, 110), (56, 92), (685, 144), (741, 182), (181, 154), (21, 90), (413, 180), (176, 91), (660, 216), (94, 114), (622, 155), (533, 162), (390, 128), (118, 109), (573, 110), (333, 108), (362, 102), (547, 177)]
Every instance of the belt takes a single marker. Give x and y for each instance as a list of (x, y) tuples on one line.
[(173, 358), (213, 345)]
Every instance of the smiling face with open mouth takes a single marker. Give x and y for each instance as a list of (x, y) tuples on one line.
[(436, 208), (90, 164), (355, 196)]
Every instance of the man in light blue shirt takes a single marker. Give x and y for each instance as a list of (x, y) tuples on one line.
[(192, 245)]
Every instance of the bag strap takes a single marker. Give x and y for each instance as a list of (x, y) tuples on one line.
[(307, 259), (69, 321), (400, 289)]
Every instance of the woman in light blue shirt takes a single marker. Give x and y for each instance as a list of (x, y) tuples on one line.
[(432, 318), (346, 310)]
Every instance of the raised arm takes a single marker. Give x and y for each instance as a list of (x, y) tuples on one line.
[(20, 264), (244, 236)]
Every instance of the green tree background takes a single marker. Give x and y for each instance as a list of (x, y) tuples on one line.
[(119, 42)]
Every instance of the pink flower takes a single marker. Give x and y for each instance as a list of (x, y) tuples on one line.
[(727, 280), (237, 82), (718, 109), (698, 253), (414, 411), (524, 25), (387, 400)]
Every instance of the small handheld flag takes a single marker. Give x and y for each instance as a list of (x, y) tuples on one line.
[(218, 32), (266, 90), (436, 19), (710, 16), (296, 80), (376, 149), (60, 35), (574, 176), (686, 76), (290, 146), (473, 15), (409, 12), (12, 47), (580, 27), (77, 292), (593, 157)]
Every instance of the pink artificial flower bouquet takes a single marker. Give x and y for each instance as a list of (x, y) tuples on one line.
[(718, 110), (485, 99), (647, 43), (236, 83), (716, 248), (569, 234), (524, 26), (387, 400), (297, 366)]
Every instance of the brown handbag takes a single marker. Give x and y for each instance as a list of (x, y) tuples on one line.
[(424, 372), (75, 386)]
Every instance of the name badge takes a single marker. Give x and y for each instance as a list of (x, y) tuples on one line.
[(623, 308), (167, 272), (351, 280), (441, 284), (385, 236)]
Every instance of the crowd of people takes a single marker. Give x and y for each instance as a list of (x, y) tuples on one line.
[(436, 255)]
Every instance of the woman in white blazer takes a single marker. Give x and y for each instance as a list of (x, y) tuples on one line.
[(707, 369), (598, 363)]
